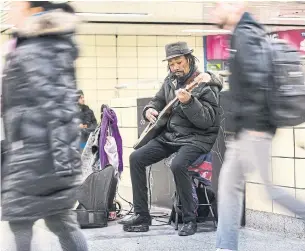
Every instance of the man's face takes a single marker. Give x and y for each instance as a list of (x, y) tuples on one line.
[(81, 100), (221, 15), (19, 11), (180, 66)]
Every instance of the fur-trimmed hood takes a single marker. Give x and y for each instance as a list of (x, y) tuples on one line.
[(48, 23), (215, 81)]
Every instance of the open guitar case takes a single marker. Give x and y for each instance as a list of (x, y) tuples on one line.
[(96, 196)]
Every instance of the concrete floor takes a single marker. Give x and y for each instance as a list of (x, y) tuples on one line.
[(164, 238)]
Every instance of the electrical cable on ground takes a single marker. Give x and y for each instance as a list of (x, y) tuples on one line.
[(157, 218)]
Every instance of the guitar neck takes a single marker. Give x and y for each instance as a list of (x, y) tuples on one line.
[(171, 103), (168, 106)]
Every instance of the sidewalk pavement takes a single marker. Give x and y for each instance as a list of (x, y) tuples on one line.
[(165, 238)]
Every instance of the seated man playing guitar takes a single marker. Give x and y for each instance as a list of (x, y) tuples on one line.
[(191, 130)]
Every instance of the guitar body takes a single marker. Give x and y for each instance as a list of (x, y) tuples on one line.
[(151, 131), (154, 129)]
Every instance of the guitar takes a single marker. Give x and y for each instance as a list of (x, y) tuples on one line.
[(154, 129)]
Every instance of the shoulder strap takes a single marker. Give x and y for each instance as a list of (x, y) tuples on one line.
[(191, 78)]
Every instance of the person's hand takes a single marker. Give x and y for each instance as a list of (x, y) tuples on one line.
[(183, 96), (82, 126), (151, 115), (85, 126), (257, 134), (203, 78)]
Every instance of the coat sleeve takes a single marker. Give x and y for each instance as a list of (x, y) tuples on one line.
[(158, 102), (201, 111), (92, 121)]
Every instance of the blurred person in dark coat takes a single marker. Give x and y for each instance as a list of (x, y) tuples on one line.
[(249, 151), (88, 120), (42, 167)]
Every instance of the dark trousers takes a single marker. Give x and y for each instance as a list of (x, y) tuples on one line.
[(152, 153), (64, 225)]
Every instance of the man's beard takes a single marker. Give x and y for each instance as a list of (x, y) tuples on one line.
[(179, 74)]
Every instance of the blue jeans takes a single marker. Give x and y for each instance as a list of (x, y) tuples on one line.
[(244, 155), (82, 145), (64, 225)]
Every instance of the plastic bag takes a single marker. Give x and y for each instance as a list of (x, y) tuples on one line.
[(112, 152)]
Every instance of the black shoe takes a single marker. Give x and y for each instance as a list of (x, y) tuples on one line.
[(136, 219), (136, 223), (187, 229)]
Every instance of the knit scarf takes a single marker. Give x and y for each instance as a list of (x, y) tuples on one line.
[(110, 123)]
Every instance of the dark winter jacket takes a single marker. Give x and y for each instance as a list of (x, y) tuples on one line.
[(42, 167), (250, 74), (196, 123), (87, 118)]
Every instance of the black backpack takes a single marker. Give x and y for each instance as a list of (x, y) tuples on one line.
[(286, 92), (203, 212), (96, 198)]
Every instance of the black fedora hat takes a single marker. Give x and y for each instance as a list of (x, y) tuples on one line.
[(177, 49), (80, 93)]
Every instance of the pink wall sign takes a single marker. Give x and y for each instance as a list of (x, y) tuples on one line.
[(295, 37), (217, 47)]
